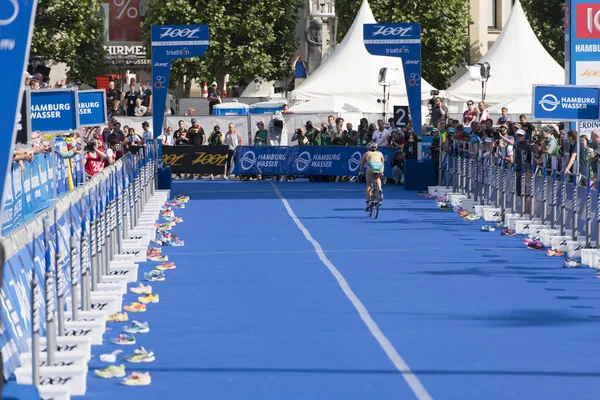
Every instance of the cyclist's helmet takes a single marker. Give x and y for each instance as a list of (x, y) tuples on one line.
[(372, 146)]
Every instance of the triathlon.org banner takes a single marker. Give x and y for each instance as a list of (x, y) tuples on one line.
[(303, 160), (195, 159)]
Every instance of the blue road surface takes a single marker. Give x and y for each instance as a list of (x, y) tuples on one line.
[(253, 312)]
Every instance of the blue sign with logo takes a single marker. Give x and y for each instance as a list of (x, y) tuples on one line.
[(92, 107), (568, 103), (16, 28), (304, 160), (404, 41), (170, 42), (582, 42), (54, 111)]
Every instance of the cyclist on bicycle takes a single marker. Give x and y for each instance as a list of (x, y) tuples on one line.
[(374, 160)]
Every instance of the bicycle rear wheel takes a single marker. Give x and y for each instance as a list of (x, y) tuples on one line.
[(375, 202)]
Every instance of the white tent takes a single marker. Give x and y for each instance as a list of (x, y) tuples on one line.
[(351, 72), (517, 60), (335, 104)]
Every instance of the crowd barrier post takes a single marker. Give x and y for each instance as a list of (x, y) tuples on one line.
[(60, 304), (588, 214), (447, 169), (35, 324), (563, 205), (85, 255), (94, 240), (575, 210), (74, 270), (50, 293), (523, 183), (102, 233), (554, 193), (545, 193), (532, 188), (53, 155), (470, 172)]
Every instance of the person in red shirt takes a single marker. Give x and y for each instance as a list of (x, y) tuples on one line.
[(94, 158), (471, 114)]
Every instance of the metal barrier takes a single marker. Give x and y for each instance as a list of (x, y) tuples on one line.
[(522, 195), (68, 268)]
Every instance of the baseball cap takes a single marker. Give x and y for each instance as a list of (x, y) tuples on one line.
[(145, 123), (518, 126), (194, 120), (434, 130), (309, 123), (451, 130), (545, 128), (217, 128), (214, 84), (487, 140), (520, 132), (260, 123)]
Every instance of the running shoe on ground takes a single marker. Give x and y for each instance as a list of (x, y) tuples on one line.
[(440, 198), (160, 258), (182, 198), (488, 228), (136, 379), (154, 276), (149, 298), (140, 356), (112, 371), (461, 212), (572, 262), (526, 241), (554, 253), (179, 243), (471, 217), (508, 232), (118, 317), (167, 266), (135, 307), (501, 225), (136, 327), (124, 339), (535, 245), (141, 289), (428, 196)]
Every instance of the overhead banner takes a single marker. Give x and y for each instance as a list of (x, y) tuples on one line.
[(304, 160), (203, 160), (404, 41), (566, 103), (16, 27), (92, 107), (170, 42), (54, 111)]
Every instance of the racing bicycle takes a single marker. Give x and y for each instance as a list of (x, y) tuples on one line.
[(375, 197)]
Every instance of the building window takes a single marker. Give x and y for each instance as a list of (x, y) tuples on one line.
[(492, 22)]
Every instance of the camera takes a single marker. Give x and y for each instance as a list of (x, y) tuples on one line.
[(299, 131), (434, 92)]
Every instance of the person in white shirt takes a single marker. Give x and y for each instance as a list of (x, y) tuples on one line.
[(111, 152), (232, 139), (380, 136), (166, 139)]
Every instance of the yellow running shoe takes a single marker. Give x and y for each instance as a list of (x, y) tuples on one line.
[(135, 307), (166, 266), (149, 298), (118, 317), (112, 371)]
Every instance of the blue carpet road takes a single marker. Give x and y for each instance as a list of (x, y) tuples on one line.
[(252, 312)]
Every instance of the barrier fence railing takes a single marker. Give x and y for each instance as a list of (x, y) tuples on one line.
[(530, 193), (68, 267)]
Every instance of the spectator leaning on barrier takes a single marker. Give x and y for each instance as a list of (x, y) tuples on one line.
[(350, 135), (133, 141), (232, 139), (167, 138), (115, 109), (113, 94), (140, 110), (94, 158), (113, 153), (398, 167)]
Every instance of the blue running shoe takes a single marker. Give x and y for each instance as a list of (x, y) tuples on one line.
[(137, 327), (154, 276)]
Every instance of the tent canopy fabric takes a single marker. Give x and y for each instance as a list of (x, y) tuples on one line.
[(259, 87), (351, 72), (517, 61), (336, 104)]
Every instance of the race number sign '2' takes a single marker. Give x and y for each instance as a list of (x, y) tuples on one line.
[(54, 111), (16, 28), (569, 103), (400, 116), (170, 42), (92, 107), (404, 41)]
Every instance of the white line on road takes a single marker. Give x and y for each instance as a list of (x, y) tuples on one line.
[(411, 379)]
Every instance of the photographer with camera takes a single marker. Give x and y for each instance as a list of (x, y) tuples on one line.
[(434, 94), (438, 112), (300, 137)]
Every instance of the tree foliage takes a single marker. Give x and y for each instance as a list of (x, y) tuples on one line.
[(547, 19), (247, 39), (70, 31), (444, 44)]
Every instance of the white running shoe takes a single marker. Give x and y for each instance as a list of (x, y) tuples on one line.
[(141, 289)]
